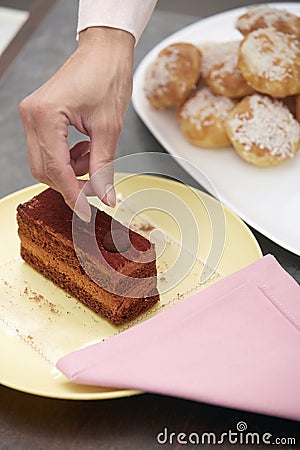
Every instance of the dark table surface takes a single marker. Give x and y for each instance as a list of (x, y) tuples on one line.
[(28, 421)]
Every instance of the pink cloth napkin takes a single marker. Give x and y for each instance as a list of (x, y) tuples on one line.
[(235, 344)]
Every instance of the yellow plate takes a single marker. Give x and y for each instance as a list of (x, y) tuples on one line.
[(40, 323)]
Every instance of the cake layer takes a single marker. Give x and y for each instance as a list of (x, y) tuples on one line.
[(116, 286), (129, 277), (63, 263), (118, 310), (50, 214)]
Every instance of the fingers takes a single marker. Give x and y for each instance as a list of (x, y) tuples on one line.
[(36, 160), (53, 163), (50, 159), (103, 148), (57, 164)]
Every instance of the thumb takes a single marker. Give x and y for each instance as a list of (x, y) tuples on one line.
[(103, 149)]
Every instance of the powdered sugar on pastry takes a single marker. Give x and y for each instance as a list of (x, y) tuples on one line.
[(172, 75), (270, 54), (161, 72), (221, 73), (202, 119), (268, 124), (225, 54), (263, 16), (204, 107)]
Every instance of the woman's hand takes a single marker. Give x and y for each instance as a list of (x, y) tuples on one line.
[(91, 91)]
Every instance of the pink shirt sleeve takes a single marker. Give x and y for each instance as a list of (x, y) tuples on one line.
[(129, 15)]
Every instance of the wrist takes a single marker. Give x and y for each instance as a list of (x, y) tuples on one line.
[(112, 37)]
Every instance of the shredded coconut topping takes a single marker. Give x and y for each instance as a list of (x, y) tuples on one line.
[(269, 125), (270, 54), (271, 16), (161, 71), (205, 107), (224, 56)]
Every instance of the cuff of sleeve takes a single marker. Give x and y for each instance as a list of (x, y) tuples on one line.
[(128, 15)]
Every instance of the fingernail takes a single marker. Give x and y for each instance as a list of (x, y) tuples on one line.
[(110, 195), (83, 215), (82, 208), (97, 186)]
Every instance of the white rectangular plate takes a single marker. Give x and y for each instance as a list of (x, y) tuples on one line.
[(267, 199)]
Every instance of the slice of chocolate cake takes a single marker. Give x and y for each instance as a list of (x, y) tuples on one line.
[(108, 267)]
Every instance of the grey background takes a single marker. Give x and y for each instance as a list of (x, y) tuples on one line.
[(195, 8)]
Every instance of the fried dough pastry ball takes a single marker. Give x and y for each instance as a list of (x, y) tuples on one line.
[(202, 118), (264, 16), (270, 62), (172, 75), (263, 131), (221, 73)]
